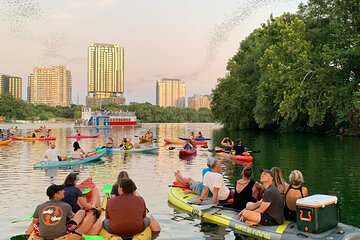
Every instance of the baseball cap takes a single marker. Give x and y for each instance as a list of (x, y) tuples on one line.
[(52, 189), (267, 171)]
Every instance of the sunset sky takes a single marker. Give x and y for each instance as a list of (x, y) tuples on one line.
[(187, 39)]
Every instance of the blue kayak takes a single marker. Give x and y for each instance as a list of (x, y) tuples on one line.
[(197, 139), (132, 150), (53, 164)]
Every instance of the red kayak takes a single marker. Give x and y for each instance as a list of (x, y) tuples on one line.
[(245, 157), (184, 152), (83, 136)]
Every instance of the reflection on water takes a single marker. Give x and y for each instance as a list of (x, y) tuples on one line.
[(329, 166)]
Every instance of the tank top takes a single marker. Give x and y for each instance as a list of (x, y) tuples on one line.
[(243, 197), (288, 213)]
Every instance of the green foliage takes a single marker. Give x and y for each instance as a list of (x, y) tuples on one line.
[(146, 112), (298, 71), (12, 109)]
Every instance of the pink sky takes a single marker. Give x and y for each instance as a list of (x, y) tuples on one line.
[(191, 40)]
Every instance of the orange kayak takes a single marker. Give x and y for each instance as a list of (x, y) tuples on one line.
[(92, 197), (5, 142), (33, 139)]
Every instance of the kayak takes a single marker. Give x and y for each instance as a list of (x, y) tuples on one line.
[(132, 150), (196, 139), (83, 136), (184, 152), (145, 235), (179, 141), (245, 157), (51, 164), (228, 217), (93, 196), (33, 139), (5, 142)]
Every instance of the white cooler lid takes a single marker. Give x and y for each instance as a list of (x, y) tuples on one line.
[(317, 201)]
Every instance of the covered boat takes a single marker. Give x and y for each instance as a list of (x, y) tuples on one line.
[(228, 217), (52, 164)]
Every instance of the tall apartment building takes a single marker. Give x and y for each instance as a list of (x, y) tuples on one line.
[(170, 93), (11, 85), (199, 101), (105, 75), (50, 86)]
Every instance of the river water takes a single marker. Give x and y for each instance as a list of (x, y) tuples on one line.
[(329, 165)]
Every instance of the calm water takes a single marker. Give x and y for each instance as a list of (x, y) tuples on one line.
[(329, 165)]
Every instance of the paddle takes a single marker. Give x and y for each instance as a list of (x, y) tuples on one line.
[(107, 189), (88, 237), (30, 216), (209, 206), (221, 150), (86, 190)]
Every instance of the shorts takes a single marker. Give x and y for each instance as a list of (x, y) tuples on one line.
[(267, 220), (195, 187)]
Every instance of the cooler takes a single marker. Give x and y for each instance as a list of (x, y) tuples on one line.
[(317, 213)]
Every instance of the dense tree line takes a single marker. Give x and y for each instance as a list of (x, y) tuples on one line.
[(15, 109), (146, 112), (297, 72)]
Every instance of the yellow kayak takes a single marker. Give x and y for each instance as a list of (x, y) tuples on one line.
[(145, 235)]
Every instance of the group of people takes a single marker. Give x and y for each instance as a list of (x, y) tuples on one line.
[(125, 143), (190, 142), (52, 154), (266, 203), (229, 146), (67, 214)]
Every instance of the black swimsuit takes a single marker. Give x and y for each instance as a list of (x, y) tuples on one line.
[(243, 197), (288, 213)]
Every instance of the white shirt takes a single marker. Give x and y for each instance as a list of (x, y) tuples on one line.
[(51, 154), (216, 180)]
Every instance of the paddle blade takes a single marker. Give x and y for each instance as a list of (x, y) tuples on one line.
[(86, 190), (204, 207), (92, 237), (23, 219), (20, 237), (107, 188)]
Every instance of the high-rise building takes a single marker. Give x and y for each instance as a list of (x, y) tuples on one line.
[(199, 101), (11, 85), (50, 86), (105, 75), (170, 93)]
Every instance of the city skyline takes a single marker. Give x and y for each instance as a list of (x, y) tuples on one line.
[(194, 46)]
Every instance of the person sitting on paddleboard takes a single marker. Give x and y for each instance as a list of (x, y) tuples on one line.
[(269, 211), (199, 135), (52, 154), (214, 182), (246, 189), (50, 218), (126, 214), (294, 192)]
